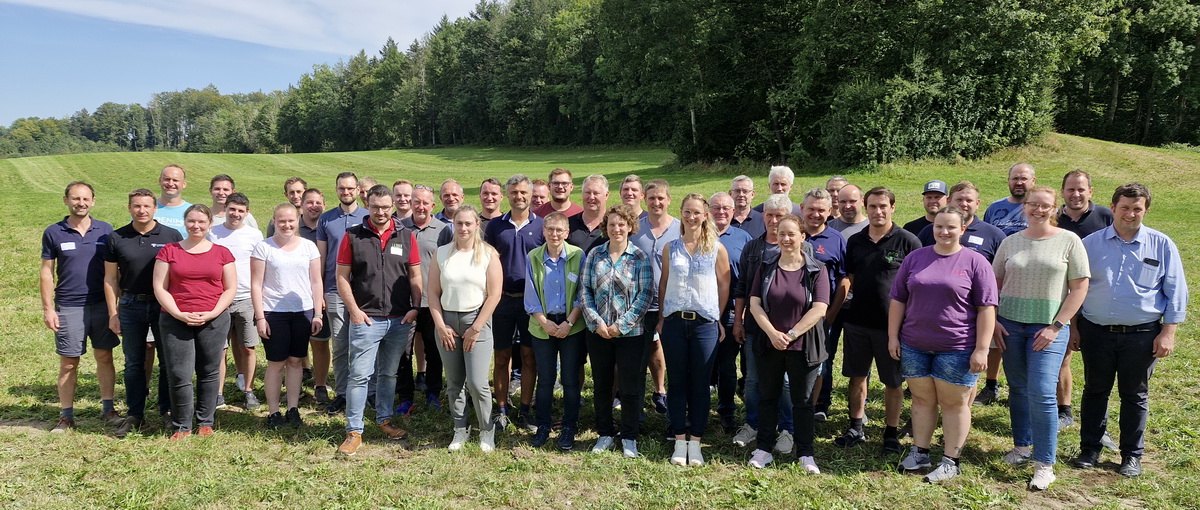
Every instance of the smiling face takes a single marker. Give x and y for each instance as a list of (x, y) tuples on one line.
[(1077, 192), (948, 228), (1128, 214), (79, 201), (879, 210)]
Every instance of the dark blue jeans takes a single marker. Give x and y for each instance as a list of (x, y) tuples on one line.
[(138, 318), (1128, 360), (690, 347), (549, 353)]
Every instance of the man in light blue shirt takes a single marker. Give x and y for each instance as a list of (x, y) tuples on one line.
[(1136, 299)]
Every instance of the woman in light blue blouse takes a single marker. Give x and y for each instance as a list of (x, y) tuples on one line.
[(693, 287)]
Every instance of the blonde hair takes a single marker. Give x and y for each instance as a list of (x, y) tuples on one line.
[(707, 240), (480, 247)]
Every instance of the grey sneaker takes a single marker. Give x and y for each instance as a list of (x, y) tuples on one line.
[(629, 448), (784, 443), (603, 444), (745, 435), (945, 471), (251, 401), (915, 460)]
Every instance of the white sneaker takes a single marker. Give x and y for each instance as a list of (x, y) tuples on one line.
[(784, 443), (680, 457), (759, 459), (1043, 476), (602, 444), (810, 465), (946, 470), (461, 435), (915, 460), (487, 440), (695, 458), (1017, 457), (745, 435), (629, 448)]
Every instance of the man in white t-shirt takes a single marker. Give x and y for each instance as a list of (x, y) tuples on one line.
[(240, 239)]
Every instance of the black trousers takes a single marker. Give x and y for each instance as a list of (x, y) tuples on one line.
[(1127, 358)]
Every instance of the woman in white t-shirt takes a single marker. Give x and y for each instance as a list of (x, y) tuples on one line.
[(464, 288), (285, 287)]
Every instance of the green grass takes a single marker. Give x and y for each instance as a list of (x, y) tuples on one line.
[(245, 465)]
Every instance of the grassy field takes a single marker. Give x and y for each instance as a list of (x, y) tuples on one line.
[(246, 465)]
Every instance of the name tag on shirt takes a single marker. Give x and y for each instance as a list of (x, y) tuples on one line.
[(397, 250), (975, 240), (67, 246)]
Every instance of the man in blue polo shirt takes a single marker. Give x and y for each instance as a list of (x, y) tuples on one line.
[(1082, 217), (132, 308), (1006, 213), (1136, 299), (514, 235), (331, 228), (171, 205), (74, 308)]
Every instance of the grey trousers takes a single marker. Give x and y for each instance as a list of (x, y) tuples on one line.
[(468, 369)]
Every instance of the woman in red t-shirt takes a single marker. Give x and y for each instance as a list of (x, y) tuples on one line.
[(194, 281)]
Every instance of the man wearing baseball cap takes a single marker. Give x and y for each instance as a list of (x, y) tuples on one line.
[(933, 198)]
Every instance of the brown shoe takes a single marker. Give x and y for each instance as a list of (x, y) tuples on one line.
[(64, 425), (205, 431), (392, 431), (182, 434), (350, 445), (112, 417)]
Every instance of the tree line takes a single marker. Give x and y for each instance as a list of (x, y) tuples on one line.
[(853, 81)]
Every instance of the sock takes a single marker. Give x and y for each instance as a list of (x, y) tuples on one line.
[(953, 460), (891, 431), (992, 384), (1064, 409), (107, 406), (856, 424), (924, 451), (68, 413)]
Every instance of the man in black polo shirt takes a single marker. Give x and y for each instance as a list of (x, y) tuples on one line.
[(1081, 216), (584, 227), (872, 258), (132, 308), (379, 281)]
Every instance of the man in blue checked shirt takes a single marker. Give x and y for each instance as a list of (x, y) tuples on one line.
[(1136, 299)]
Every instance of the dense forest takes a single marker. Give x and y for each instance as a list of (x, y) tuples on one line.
[(854, 81)]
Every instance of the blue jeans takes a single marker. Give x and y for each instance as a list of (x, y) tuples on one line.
[(375, 347), (1032, 384), (548, 353), (138, 318), (750, 398), (690, 347)]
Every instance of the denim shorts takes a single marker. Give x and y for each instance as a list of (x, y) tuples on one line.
[(953, 367)]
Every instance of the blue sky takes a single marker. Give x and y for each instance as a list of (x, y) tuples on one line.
[(61, 56)]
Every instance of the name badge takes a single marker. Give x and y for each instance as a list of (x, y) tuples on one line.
[(573, 277), (397, 250), (975, 240), (67, 246)]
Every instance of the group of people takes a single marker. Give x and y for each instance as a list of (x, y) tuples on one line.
[(552, 285)]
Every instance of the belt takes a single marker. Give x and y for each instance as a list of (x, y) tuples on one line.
[(142, 297), (1136, 328), (688, 315), (514, 294)]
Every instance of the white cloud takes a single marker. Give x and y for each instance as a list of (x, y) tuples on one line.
[(334, 26)]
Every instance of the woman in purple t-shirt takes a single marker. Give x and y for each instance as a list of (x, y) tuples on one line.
[(942, 315)]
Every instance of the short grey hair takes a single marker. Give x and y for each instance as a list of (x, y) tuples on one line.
[(741, 178), (596, 178), (516, 179), (778, 201), (782, 171)]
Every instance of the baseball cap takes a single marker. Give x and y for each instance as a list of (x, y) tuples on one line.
[(938, 186)]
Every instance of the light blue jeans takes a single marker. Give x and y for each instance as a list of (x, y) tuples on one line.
[(375, 347), (1032, 383)]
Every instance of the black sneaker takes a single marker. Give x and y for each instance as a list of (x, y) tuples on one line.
[(852, 437), (891, 445), (293, 417), (1086, 460), (336, 406), (986, 396), (275, 420), (540, 438), (566, 439), (1131, 467)]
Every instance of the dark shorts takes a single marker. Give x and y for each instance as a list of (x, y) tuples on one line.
[(953, 367), (861, 346), (289, 335), (78, 323)]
